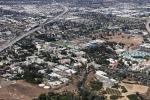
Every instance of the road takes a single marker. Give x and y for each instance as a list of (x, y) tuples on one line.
[(64, 12), (148, 26), (9, 44)]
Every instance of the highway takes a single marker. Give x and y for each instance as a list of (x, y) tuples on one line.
[(148, 26), (64, 12), (9, 44)]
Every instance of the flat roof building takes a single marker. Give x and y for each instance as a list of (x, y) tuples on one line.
[(145, 47)]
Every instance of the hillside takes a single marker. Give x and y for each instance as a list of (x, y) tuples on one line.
[(147, 96)]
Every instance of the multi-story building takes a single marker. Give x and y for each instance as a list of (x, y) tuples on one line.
[(145, 47)]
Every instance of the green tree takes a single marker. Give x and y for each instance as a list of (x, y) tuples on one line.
[(96, 85), (42, 97)]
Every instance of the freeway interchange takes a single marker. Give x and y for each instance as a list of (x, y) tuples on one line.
[(34, 29)]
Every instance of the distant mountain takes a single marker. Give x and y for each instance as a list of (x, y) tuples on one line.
[(104, 1), (24, 1), (49, 1), (135, 1), (101, 1), (80, 2)]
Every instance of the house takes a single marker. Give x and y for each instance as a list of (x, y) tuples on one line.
[(98, 41), (64, 61), (70, 71), (96, 66), (79, 53), (82, 60), (42, 71), (64, 80), (34, 59), (56, 70), (94, 43), (77, 64), (61, 67), (1, 63), (100, 73), (55, 75)]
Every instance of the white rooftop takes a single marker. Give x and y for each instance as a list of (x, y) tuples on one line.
[(70, 71), (146, 45), (55, 75), (61, 67), (54, 83), (97, 41), (56, 70), (99, 73), (64, 79)]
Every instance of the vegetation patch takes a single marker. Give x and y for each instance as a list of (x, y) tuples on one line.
[(96, 85), (133, 97)]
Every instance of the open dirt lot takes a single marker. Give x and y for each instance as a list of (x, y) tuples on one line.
[(20, 90), (128, 40), (133, 88), (147, 94)]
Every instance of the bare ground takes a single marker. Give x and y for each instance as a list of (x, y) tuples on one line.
[(20, 90)]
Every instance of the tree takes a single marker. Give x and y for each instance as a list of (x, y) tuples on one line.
[(133, 97), (115, 86), (124, 90), (147, 57), (31, 74), (96, 85), (53, 96), (42, 97)]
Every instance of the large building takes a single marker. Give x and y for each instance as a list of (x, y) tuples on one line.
[(145, 47)]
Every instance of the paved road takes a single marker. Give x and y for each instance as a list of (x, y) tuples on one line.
[(18, 38), (148, 26), (34, 29), (64, 12)]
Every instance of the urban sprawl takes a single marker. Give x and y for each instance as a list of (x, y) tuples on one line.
[(74, 50)]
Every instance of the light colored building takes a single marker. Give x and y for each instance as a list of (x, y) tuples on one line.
[(82, 60), (54, 83), (145, 47), (55, 75), (70, 71), (65, 61), (77, 65), (56, 70), (61, 67), (34, 59), (64, 80), (100, 73), (80, 53), (119, 51), (107, 82)]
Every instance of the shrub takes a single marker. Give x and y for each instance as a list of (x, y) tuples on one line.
[(124, 90), (133, 97), (114, 97)]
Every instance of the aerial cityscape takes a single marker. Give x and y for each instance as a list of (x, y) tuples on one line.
[(74, 49)]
